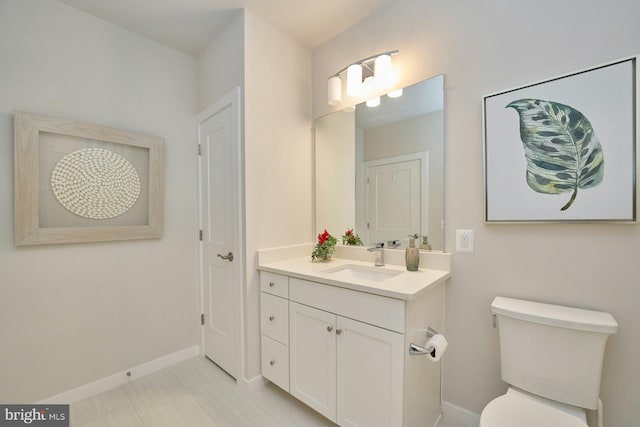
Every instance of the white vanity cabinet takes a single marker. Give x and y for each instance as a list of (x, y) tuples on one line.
[(348, 352), (274, 327), (349, 371)]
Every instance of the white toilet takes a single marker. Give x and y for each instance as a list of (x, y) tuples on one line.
[(551, 357)]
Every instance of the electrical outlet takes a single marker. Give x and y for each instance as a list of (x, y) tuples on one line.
[(464, 240)]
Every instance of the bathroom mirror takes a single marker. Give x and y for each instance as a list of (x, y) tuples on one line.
[(380, 170)]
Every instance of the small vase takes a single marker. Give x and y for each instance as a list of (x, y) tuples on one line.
[(411, 255), (322, 253)]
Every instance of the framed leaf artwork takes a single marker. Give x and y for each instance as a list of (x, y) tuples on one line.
[(564, 149)]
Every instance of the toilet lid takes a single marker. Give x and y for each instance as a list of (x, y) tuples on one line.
[(516, 409)]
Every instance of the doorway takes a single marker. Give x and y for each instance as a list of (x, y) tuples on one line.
[(221, 251), (396, 202)]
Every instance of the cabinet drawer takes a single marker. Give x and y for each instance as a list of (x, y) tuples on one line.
[(385, 312), (275, 284), (274, 317), (275, 362)]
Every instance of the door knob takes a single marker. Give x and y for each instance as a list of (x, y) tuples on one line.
[(228, 257)]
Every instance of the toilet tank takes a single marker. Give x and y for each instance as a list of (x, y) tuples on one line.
[(553, 351)]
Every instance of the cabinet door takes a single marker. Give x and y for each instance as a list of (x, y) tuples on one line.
[(370, 375), (312, 358)]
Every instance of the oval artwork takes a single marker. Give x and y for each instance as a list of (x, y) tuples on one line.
[(95, 183)]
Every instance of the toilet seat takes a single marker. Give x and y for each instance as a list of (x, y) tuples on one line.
[(517, 408)]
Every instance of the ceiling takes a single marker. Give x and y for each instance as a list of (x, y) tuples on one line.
[(189, 25)]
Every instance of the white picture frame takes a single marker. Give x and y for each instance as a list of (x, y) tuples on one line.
[(564, 149)]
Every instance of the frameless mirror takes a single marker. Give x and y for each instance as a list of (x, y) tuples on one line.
[(380, 170)]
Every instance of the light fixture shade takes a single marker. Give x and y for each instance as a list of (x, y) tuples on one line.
[(395, 93), (334, 90), (383, 71), (369, 87), (354, 80), (373, 102)]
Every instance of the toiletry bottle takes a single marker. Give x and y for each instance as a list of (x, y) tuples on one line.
[(412, 255), (425, 245)]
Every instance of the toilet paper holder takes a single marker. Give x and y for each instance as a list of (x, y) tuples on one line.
[(416, 350)]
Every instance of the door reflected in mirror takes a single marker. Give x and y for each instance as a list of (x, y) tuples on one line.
[(380, 171)]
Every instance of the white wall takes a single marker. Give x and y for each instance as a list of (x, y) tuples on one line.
[(221, 64), (274, 74), (335, 154), (421, 133), (485, 47), (278, 156), (71, 314)]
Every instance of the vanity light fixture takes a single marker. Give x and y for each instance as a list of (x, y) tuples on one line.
[(373, 102), (334, 90), (376, 69), (354, 80), (383, 70), (393, 94), (369, 86)]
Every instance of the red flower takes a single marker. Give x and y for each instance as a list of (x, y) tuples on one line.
[(349, 232), (323, 237), (325, 246)]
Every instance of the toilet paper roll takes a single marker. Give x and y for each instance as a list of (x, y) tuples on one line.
[(439, 344)]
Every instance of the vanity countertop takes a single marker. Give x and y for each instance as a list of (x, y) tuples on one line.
[(402, 284)]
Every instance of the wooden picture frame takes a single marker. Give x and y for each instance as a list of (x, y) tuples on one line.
[(564, 149), (77, 182)]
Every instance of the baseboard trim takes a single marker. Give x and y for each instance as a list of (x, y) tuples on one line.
[(121, 378), (457, 416), (254, 384)]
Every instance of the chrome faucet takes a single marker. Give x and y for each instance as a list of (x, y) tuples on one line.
[(393, 243), (379, 250)]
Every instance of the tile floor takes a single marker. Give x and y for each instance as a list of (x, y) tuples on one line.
[(192, 394)]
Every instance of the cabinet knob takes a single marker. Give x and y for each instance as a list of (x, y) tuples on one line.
[(338, 331), (273, 362), (271, 318), (271, 284), (329, 328)]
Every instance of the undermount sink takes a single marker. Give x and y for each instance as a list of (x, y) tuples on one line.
[(359, 272)]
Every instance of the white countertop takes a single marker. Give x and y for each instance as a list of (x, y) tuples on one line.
[(407, 285)]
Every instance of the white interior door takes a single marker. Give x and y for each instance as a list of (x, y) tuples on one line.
[(394, 200), (220, 232)]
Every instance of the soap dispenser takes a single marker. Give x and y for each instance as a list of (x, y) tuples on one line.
[(425, 245), (412, 255)]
